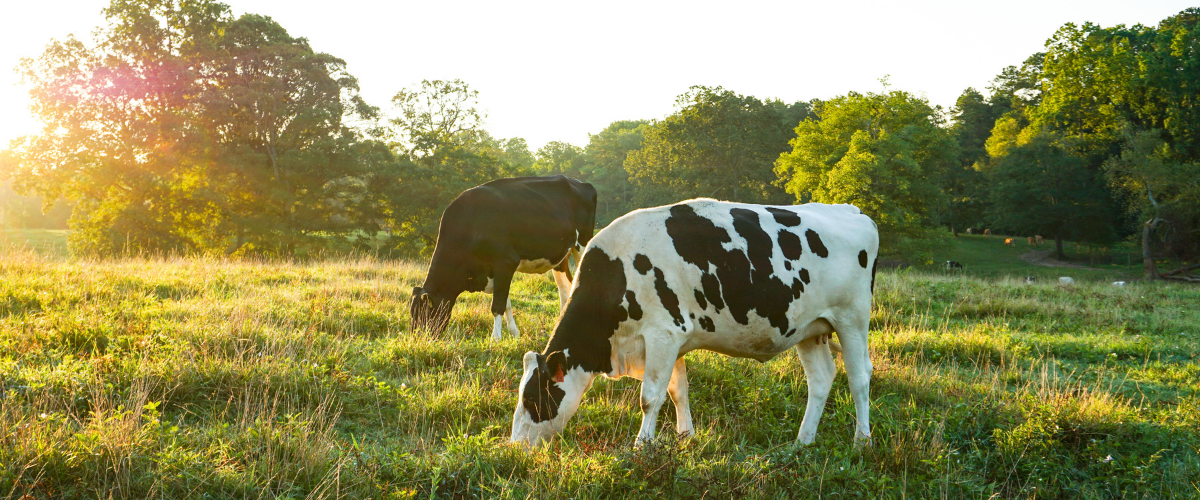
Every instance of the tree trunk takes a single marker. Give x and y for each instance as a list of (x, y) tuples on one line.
[(1058, 248), (1147, 257)]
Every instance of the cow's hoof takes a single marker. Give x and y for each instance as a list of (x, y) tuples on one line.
[(861, 441)]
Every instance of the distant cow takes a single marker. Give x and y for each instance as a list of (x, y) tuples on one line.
[(970, 231), (953, 265), (490, 232), (1031, 242), (1008, 242), (1037, 240), (987, 232), (743, 280)]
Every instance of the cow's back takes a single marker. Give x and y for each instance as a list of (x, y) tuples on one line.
[(526, 214), (739, 279)]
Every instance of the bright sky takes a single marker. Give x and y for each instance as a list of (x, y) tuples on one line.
[(558, 70)]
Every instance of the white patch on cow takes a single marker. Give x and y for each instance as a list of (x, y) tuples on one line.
[(488, 287), (497, 332), (512, 323), (563, 282)]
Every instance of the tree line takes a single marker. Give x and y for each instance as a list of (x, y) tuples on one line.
[(186, 129)]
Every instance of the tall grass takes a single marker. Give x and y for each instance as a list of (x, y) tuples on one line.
[(190, 378)]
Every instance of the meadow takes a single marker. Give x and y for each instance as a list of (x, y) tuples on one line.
[(210, 378)]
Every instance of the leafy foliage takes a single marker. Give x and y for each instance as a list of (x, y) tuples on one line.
[(719, 144), (187, 130), (885, 153)]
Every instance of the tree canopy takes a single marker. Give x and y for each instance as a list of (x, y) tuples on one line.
[(719, 144), (186, 129), (885, 153)]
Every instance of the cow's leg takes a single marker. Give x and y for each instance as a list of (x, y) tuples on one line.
[(502, 273), (678, 388), (562, 279), (819, 369), (512, 323), (660, 362), (575, 254), (852, 332)]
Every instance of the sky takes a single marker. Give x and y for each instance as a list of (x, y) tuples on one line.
[(557, 71)]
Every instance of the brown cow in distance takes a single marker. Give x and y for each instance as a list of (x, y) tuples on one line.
[(970, 231), (987, 232), (1038, 239), (1008, 242), (1031, 241)]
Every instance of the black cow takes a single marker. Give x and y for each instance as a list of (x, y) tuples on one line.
[(950, 264), (526, 224)]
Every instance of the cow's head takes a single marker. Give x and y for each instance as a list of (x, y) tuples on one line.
[(548, 396), (429, 310)]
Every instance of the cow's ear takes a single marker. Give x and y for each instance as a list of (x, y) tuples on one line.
[(529, 362), (557, 362), (541, 364)]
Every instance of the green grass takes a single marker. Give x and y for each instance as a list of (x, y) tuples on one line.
[(987, 256), (195, 378), (42, 241)]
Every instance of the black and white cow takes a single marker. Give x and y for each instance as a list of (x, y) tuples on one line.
[(490, 232), (742, 280)]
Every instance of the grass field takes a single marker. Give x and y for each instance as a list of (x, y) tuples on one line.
[(194, 378)]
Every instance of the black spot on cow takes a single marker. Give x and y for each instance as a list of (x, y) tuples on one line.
[(814, 243), (797, 288), (790, 333), (635, 310), (712, 290), (862, 258), (743, 281), (789, 243), (692, 315), (669, 300), (785, 217), (787, 264), (541, 396), (642, 264), (804, 276), (707, 324), (700, 300), (592, 318)]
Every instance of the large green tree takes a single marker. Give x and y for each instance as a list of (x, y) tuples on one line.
[(560, 158), (1041, 185), (1164, 192), (604, 167), (885, 153), (719, 144), (186, 129)]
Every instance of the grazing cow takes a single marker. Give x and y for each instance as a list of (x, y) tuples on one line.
[(1008, 242), (1038, 240), (987, 232), (970, 231), (950, 264), (1030, 280), (490, 232), (748, 281), (1030, 240)]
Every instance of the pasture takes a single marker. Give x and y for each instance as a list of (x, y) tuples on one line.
[(202, 378)]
